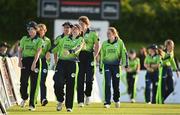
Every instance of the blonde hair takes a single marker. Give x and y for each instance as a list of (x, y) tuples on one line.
[(84, 19), (42, 26), (114, 31), (169, 42)]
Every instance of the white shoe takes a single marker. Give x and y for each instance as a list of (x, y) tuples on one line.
[(106, 106), (133, 100), (31, 108), (117, 104), (149, 103), (69, 110), (59, 106), (23, 103), (87, 100), (81, 104)]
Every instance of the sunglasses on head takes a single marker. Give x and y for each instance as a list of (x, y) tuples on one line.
[(30, 28)]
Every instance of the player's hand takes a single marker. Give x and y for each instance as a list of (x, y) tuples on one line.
[(128, 69), (178, 74), (66, 52), (33, 66), (150, 69), (20, 64)]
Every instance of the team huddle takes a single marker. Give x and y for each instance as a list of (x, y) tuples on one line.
[(76, 52)]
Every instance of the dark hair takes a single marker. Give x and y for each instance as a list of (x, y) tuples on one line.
[(68, 24), (132, 51)]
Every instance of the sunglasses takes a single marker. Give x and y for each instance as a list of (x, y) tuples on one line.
[(30, 29)]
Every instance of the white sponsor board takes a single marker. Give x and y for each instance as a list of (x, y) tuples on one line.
[(7, 83), (3, 97), (13, 71)]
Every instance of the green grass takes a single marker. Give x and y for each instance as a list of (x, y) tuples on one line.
[(97, 108)]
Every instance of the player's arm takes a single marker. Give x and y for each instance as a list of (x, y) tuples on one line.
[(37, 55), (20, 57), (138, 66), (96, 45), (78, 48), (124, 55), (174, 66)]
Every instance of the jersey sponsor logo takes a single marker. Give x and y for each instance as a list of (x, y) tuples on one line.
[(29, 47), (67, 46), (111, 50)]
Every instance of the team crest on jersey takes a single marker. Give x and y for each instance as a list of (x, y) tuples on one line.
[(116, 45), (86, 36)]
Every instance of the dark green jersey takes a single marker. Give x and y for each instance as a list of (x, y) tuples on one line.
[(68, 48), (113, 53), (90, 38), (168, 60), (156, 59), (30, 46), (46, 46), (133, 64)]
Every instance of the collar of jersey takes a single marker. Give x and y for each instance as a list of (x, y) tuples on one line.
[(35, 37), (113, 41), (62, 35), (87, 31), (75, 38)]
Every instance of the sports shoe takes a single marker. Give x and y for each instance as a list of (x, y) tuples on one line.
[(106, 106), (69, 110), (23, 103), (133, 100), (81, 104), (117, 104), (44, 102), (149, 103), (59, 106), (31, 108), (87, 100)]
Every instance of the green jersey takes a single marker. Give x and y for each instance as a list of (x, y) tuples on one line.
[(59, 38), (156, 59), (46, 46), (113, 53), (133, 64), (69, 48), (168, 60), (30, 46), (90, 38)]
